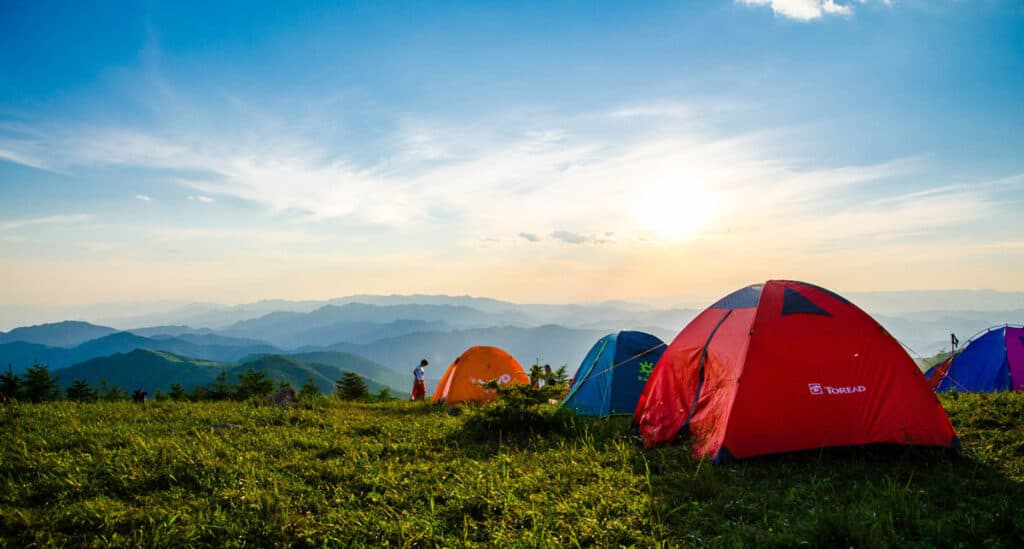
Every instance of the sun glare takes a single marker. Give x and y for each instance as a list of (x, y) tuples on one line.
[(675, 208)]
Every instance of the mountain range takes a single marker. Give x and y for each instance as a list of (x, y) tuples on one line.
[(392, 333), (21, 355)]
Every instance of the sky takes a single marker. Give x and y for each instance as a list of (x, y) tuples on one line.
[(535, 152)]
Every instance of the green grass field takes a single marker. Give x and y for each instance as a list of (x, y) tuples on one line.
[(404, 474)]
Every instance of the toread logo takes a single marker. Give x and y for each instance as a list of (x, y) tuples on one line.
[(819, 389)]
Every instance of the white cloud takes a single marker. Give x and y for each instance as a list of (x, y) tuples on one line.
[(566, 178), (47, 220), (804, 10), (143, 197)]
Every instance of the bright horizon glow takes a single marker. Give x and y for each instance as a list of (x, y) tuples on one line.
[(548, 153)]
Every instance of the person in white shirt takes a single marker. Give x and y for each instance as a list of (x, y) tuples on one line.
[(419, 390)]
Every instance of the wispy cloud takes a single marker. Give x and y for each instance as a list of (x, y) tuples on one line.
[(655, 110), (143, 197), (569, 237), (47, 220), (243, 234), (21, 158), (567, 175)]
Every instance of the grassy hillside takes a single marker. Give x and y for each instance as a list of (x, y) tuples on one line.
[(142, 368), (408, 474)]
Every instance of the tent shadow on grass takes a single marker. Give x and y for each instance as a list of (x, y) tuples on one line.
[(875, 496)]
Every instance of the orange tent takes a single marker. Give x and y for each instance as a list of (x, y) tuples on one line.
[(463, 380)]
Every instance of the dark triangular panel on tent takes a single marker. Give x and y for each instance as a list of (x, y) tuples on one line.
[(794, 302)]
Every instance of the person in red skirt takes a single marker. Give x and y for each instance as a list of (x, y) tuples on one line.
[(419, 390)]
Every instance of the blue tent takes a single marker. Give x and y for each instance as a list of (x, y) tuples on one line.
[(612, 376), (990, 362)]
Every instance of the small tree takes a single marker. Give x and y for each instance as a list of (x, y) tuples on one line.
[(253, 383), (309, 389), (561, 375), (383, 395), (219, 388), (102, 388), (113, 393), (199, 393), (80, 391), (10, 384), (536, 373), (351, 387), (40, 385), (178, 392)]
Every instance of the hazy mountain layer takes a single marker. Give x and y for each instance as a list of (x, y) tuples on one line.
[(60, 334), (21, 355), (553, 345), (151, 370)]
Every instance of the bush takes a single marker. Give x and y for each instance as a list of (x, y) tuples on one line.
[(520, 412)]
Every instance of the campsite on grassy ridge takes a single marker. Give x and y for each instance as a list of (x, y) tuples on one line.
[(728, 273)]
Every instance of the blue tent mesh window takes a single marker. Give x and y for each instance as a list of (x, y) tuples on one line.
[(823, 290), (741, 299)]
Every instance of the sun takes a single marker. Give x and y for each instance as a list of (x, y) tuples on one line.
[(674, 208)]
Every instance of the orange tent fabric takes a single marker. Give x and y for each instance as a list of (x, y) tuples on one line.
[(463, 380)]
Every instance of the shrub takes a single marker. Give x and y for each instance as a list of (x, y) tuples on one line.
[(521, 411)]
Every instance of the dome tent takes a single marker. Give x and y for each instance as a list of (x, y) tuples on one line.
[(786, 366), (990, 362), (612, 376), (463, 380)]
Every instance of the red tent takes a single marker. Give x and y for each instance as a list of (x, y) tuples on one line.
[(786, 366)]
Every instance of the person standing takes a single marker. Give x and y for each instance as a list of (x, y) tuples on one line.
[(419, 390)]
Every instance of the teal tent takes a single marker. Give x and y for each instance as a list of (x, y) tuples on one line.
[(612, 376)]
